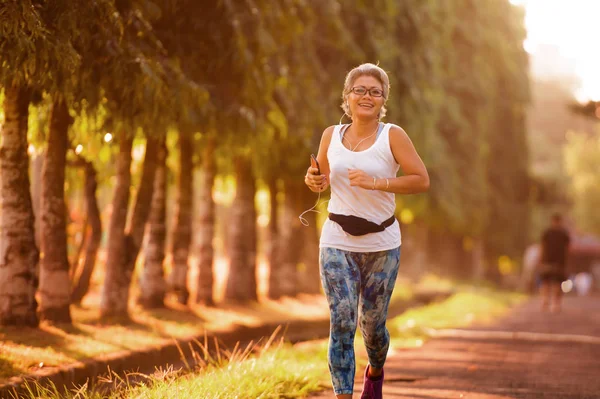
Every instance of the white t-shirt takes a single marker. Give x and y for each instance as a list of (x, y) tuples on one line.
[(373, 205)]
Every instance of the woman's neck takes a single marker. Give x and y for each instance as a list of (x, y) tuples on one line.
[(362, 128)]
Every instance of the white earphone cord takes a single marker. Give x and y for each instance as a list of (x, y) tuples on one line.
[(301, 217)]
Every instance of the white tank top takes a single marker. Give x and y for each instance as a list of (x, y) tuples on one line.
[(373, 205)]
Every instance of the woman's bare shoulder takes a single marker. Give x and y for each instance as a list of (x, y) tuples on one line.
[(327, 134), (399, 139), (397, 130), (328, 131)]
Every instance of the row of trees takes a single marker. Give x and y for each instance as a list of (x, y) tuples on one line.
[(244, 89), (580, 158)]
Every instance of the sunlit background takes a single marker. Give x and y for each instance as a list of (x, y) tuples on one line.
[(563, 37)]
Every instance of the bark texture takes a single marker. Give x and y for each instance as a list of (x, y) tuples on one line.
[(182, 234), (55, 284), (241, 281), (272, 246), (283, 279), (152, 280), (18, 253), (206, 226), (113, 303), (309, 276), (37, 163), (132, 240), (82, 281)]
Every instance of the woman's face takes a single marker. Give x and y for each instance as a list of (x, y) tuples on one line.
[(367, 105)]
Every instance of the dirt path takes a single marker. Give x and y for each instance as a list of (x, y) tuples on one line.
[(527, 355)]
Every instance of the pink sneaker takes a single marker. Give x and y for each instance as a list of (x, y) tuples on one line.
[(372, 389)]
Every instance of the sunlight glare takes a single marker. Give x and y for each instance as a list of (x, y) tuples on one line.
[(581, 96), (529, 46), (263, 220), (573, 27)]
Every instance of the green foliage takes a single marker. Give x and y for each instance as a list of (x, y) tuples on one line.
[(32, 52), (264, 77), (581, 163)]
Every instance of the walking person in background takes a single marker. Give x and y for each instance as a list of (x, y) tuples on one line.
[(555, 248), (360, 241)]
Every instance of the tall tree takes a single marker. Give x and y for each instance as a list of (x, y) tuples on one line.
[(241, 281), (82, 278), (144, 102), (18, 252), (182, 234), (283, 280), (127, 241), (55, 289), (115, 289), (508, 175), (152, 280), (33, 52), (206, 222)]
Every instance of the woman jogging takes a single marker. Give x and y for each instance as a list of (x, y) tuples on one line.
[(360, 241)]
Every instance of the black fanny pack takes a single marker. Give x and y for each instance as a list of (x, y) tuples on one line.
[(357, 226)]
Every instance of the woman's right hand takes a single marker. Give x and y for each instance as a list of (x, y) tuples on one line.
[(314, 181)]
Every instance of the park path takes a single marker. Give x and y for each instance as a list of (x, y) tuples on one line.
[(525, 355)]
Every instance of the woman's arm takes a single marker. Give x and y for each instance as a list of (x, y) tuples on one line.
[(315, 182), (415, 179)]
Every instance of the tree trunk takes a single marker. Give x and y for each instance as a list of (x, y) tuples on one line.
[(309, 279), (55, 284), (37, 164), (272, 247), (283, 278), (18, 253), (182, 235), (113, 303), (152, 280), (241, 281), (206, 227), (132, 241), (82, 282), (478, 259), (141, 210)]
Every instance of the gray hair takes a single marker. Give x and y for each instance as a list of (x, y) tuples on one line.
[(367, 69)]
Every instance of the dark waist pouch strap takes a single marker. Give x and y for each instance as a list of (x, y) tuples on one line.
[(358, 226)]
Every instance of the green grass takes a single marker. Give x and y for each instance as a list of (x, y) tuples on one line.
[(483, 305), (26, 350), (281, 371), (286, 371)]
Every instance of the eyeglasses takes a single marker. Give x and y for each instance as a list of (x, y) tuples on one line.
[(361, 91)]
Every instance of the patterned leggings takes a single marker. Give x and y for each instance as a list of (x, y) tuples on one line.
[(350, 280)]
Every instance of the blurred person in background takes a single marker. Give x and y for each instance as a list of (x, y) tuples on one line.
[(555, 247), (360, 241), (531, 260)]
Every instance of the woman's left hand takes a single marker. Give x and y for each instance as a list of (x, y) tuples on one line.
[(360, 178)]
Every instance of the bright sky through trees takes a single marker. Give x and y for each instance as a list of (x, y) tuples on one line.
[(573, 26)]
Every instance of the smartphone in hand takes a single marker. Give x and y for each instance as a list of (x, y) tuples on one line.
[(314, 163)]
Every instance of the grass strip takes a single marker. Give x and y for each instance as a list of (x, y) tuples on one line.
[(295, 371)]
